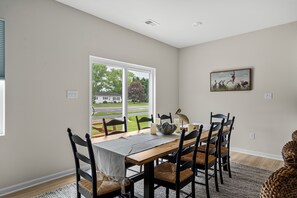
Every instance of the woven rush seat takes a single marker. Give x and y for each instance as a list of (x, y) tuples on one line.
[(289, 153), (167, 172), (212, 148), (281, 184), (202, 148), (104, 185), (200, 158), (294, 136)]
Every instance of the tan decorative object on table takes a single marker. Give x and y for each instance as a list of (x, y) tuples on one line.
[(294, 136), (176, 122), (182, 117), (192, 127)]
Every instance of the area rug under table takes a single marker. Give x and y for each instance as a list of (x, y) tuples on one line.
[(246, 182)]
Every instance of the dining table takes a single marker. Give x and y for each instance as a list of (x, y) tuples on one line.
[(147, 157)]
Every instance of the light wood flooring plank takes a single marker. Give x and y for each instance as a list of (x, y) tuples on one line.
[(43, 188)]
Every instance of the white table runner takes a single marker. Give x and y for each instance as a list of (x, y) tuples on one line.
[(110, 155)]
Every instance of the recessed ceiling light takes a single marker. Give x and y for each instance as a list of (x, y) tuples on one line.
[(151, 22), (196, 24)]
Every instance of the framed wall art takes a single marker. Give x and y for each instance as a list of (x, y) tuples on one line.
[(231, 80)]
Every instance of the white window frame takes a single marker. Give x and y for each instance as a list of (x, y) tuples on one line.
[(2, 84), (125, 66)]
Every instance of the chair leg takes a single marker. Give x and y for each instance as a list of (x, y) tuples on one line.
[(229, 167), (206, 181), (216, 177), (220, 170), (132, 190), (167, 192), (177, 192), (77, 192), (193, 187)]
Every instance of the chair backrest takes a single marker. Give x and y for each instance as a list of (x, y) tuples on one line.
[(114, 122), (180, 166), (165, 117), (226, 133), (144, 119), (217, 118), (213, 139), (79, 157)]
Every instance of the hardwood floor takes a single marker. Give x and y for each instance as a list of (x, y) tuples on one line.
[(249, 160), (257, 162), (42, 188)]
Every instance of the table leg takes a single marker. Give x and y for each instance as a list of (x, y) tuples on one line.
[(149, 180)]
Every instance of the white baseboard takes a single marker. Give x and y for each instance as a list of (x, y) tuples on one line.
[(34, 182), (256, 153)]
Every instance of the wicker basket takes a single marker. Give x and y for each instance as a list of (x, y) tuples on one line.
[(294, 136), (281, 184), (289, 153)]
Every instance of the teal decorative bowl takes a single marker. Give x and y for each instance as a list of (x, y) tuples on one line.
[(166, 128)]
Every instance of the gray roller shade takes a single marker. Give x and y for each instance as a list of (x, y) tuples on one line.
[(2, 43)]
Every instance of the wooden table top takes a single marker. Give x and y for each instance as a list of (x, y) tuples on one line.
[(153, 153)]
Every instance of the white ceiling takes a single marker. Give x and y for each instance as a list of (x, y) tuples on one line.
[(220, 18)]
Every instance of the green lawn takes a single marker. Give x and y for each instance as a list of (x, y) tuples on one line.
[(131, 104), (131, 124)]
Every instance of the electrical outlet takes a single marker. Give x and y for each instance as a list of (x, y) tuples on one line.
[(252, 136), (268, 96)]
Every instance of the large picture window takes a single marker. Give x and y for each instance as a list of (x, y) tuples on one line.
[(119, 89)]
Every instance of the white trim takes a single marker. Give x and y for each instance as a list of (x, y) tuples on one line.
[(34, 182), (90, 94), (115, 63), (2, 133), (256, 153), (125, 94)]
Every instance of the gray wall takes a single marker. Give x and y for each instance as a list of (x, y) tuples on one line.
[(272, 54), (47, 52)]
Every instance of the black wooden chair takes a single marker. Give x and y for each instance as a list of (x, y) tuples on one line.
[(224, 148), (176, 174), (90, 183), (217, 118), (207, 160), (113, 123), (165, 117), (142, 120)]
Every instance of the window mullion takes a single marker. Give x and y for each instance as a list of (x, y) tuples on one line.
[(125, 92)]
